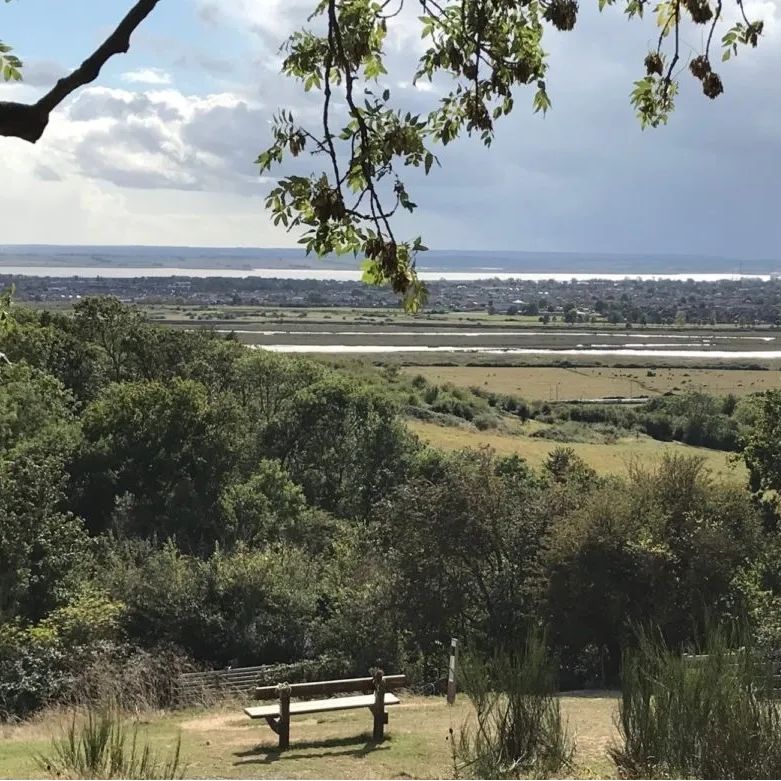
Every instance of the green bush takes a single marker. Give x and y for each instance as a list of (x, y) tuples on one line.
[(517, 728), (33, 671), (708, 716), (450, 405), (247, 607), (485, 422), (40, 663)]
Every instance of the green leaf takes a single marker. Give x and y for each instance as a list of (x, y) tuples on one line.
[(372, 272), (541, 101), (10, 64), (665, 16)]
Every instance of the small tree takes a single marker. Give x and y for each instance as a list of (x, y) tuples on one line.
[(761, 452)]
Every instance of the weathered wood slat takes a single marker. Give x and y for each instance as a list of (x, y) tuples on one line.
[(316, 688), (221, 678), (320, 706), (233, 671), (243, 684)]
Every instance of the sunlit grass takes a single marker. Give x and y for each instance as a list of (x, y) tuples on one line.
[(223, 743), (547, 383), (605, 458)]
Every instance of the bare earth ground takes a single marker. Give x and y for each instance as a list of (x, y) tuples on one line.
[(223, 743)]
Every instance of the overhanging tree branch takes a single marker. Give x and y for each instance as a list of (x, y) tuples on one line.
[(28, 121)]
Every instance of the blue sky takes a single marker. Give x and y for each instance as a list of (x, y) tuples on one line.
[(160, 150), (65, 32)]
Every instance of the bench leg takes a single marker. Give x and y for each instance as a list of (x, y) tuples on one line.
[(283, 725), (380, 716)]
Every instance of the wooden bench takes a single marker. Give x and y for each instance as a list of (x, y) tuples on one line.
[(375, 696)]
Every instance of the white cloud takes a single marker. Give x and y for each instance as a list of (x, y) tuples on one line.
[(65, 207), (163, 138), (153, 76), (153, 164), (160, 167)]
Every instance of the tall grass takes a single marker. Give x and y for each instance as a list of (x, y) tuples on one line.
[(708, 716), (517, 728), (101, 745), (132, 680)]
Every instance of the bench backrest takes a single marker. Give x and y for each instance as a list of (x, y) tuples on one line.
[(317, 688)]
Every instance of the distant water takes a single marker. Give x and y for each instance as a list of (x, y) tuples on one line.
[(241, 261), (345, 275), (728, 355), (458, 333)]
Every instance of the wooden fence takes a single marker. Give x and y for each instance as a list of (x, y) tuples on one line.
[(241, 681), (767, 675)]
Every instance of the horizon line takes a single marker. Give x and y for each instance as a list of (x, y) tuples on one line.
[(431, 251)]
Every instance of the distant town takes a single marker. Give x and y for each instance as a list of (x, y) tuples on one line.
[(743, 302)]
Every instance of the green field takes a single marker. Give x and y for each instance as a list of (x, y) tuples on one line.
[(248, 313), (223, 743)]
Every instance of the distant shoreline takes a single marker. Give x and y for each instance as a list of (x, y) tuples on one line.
[(349, 275), (118, 261)]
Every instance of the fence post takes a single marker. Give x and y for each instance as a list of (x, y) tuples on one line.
[(451, 672), (284, 715), (378, 733)]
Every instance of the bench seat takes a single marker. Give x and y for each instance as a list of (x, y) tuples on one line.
[(320, 706)]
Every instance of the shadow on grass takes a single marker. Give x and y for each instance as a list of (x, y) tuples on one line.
[(592, 694), (266, 755)]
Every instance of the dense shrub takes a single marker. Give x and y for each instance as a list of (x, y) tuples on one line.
[(694, 418), (610, 563), (247, 607), (449, 405), (41, 663), (485, 422), (517, 728), (711, 716)]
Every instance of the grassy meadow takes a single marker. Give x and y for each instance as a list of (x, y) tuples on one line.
[(223, 743), (606, 458), (548, 383)]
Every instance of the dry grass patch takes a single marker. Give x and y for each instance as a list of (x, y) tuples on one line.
[(548, 383), (223, 743), (605, 458)]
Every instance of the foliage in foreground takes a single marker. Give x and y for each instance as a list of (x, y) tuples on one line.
[(102, 746), (517, 727), (705, 716), (477, 55)]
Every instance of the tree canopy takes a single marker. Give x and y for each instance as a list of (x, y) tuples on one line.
[(481, 50), (249, 508)]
